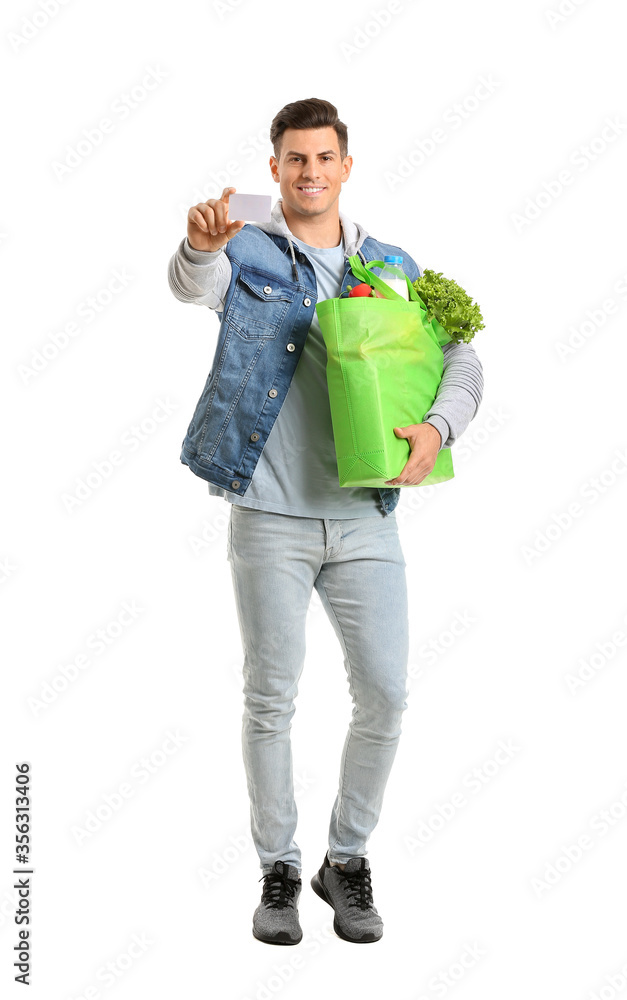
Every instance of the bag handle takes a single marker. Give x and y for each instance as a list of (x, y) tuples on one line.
[(363, 271)]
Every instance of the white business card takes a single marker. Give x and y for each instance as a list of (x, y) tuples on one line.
[(250, 207)]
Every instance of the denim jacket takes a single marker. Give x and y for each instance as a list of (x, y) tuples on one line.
[(267, 312), (264, 291)]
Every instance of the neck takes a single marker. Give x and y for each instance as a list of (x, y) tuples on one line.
[(319, 231)]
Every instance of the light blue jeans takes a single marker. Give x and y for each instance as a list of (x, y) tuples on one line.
[(358, 569)]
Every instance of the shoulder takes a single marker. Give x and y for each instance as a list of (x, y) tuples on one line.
[(376, 250), (263, 252), (250, 241)]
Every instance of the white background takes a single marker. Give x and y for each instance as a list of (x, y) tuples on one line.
[(173, 864)]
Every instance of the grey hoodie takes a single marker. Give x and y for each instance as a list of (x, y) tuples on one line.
[(203, 277)]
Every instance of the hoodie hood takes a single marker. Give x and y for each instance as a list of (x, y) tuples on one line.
[(354, 234)]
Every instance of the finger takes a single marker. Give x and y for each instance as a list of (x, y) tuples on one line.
[(197, 219), (209, 212), (222, 210), (407, 475), (421, 473), (206, 213), (225, 195)]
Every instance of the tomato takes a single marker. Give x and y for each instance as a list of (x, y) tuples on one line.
[(362, 289)]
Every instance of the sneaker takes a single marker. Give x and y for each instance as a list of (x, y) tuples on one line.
[(276, 918), (349, 892)]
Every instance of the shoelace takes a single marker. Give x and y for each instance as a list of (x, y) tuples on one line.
[(278, 890), (357, 886)]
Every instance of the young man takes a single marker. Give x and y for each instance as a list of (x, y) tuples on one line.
[(261, 436)]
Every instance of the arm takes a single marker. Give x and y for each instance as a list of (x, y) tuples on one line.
[(456, 403), (199, 276), (459, 393), (461, 389)]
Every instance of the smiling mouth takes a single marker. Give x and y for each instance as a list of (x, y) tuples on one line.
[(311, 191)]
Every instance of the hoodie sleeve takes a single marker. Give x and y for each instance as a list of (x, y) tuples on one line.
[(461, 388), (199, 276), (459, 393)]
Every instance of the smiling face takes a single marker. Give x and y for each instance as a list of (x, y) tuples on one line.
[(310, 170)]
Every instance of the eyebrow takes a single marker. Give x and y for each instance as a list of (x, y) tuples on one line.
[(291, 152)]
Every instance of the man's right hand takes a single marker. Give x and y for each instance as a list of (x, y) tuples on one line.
[(208, 226)]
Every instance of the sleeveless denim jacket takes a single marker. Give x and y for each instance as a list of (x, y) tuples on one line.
[(268, 309)]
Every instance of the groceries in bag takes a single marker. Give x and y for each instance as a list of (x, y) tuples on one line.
[(384, 367)]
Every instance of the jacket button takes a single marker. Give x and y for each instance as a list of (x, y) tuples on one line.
[(267, 289), (306, 302), (235, 484), (273, 393), (254, 437), (291, 347)]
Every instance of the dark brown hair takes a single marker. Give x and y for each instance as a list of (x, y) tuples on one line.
[(312, 113)]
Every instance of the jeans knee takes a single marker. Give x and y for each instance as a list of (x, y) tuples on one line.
[(265, 718), (381, 715)]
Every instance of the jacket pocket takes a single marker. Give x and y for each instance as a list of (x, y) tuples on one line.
[(258, 305)]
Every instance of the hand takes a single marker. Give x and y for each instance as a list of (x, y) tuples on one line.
[(208, 226), (425, 441)]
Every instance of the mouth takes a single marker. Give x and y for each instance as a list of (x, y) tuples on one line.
[(310, 191)]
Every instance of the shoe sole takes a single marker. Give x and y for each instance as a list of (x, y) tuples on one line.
[(277, 940), (320, 890)]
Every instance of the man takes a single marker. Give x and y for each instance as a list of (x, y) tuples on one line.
[(262, 437)]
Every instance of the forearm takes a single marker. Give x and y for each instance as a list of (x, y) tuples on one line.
[(459, 393), (199, 276)]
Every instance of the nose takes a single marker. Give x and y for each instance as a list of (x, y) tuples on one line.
[(311, 174)]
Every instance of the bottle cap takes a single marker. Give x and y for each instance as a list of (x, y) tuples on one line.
[(392, 260)]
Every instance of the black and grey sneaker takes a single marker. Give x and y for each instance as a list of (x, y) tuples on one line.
[(276, 918), (349, 892)]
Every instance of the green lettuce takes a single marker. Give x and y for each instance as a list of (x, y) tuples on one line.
[(447, 302)]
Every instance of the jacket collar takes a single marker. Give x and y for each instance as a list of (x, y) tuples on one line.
[(354, 233)]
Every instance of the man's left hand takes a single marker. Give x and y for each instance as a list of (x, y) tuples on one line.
[(424, 441)]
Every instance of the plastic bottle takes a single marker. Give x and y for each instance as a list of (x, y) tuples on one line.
[(393, 275)]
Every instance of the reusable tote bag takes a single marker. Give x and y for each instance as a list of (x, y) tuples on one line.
[(384, 366)]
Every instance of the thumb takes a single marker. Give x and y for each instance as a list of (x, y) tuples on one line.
[(401, 431)]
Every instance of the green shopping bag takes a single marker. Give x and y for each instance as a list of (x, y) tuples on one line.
[(384, 366)]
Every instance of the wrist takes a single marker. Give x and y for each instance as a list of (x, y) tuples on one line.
[(437, 433), (199, 256)]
